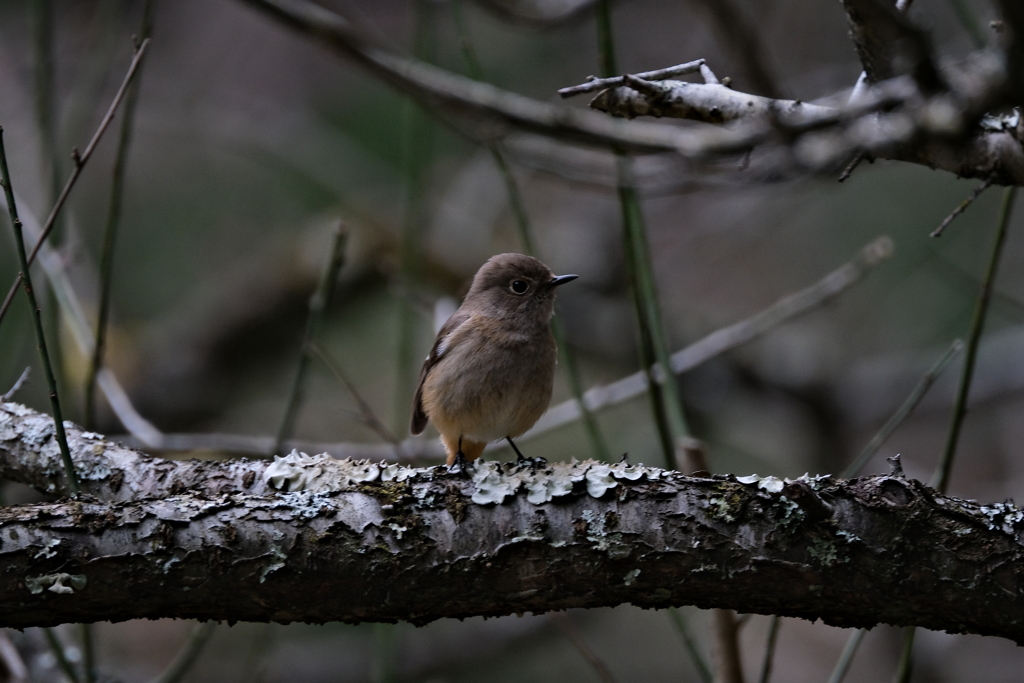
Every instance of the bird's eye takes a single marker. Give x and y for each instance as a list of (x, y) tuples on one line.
[(519, 286)]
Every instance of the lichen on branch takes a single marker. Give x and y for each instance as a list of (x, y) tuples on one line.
[(310, 538)]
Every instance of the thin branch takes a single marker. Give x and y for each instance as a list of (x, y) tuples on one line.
[(846, 658), (566, 626), (366, 414), (769, 650), (80, 162), (594, 83), (937, 232), (727, 652), (57, 648), (53, 266), (111, 228), (189, 653), (699, 663), (666, 404), (901, 414), (851, 167), (12, 662), (940, 480), (905, 667), (726, 338), (26, 278), (319, 302), (417, 152), (88, 653), (17, 385)]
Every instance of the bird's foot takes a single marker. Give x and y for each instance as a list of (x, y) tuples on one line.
[(532, 463), (460, 466)]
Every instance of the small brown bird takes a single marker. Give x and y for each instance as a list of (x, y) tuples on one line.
[(490, 372)]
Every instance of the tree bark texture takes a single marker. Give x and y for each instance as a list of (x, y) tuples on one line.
[(327, 540)]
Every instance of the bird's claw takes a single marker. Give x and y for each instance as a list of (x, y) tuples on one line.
[(460, 466)]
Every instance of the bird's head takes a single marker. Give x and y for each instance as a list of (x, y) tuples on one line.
[(515, 285)]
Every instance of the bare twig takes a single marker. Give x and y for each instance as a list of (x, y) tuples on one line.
[(666, 404), (188, 654), (893, 423), (17, 385), (905, 667), (566, 626), (769, 650), (26, 278), (57, 648), (937, 232), (74, 316), (594, 83), (703, 670), (726, 338), (88, 653), (17, 672), (318, 305), (846, 658), (366, 414), (80, 161), (110, 231), (727, 652), (940, 480), (851, 167)]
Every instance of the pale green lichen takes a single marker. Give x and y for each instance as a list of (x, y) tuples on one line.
[(399, 473), (823, 550), (720, 508), (496, 482), (47, 550), (769, 484), (629, 578), (599, 480), (1004, 516), (60, 583), (301, 472)]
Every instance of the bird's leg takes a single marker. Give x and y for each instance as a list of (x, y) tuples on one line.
[(461, 465), (534, 463)]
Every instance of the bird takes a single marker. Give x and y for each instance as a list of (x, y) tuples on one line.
[(490, 372)]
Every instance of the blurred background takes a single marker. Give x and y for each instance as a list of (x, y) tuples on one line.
[(250, 143)]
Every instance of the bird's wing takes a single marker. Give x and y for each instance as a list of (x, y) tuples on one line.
[(442, 345)]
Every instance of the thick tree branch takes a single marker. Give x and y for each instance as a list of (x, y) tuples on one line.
[(362, 543)]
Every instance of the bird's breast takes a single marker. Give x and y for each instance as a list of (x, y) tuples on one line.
[(494, 386)]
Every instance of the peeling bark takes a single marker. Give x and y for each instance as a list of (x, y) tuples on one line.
[(366, 542)]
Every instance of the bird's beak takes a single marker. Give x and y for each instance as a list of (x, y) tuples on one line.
[(561, 280)]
